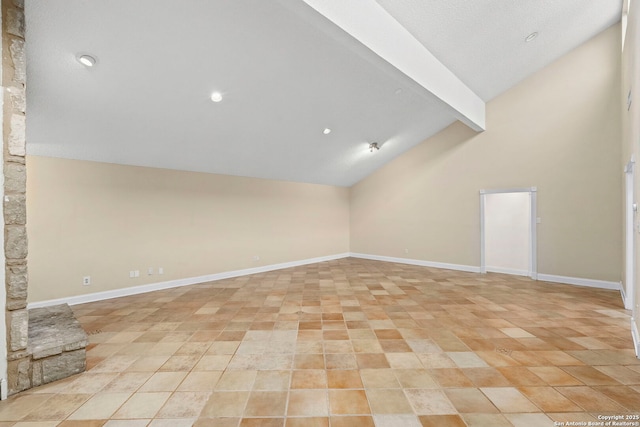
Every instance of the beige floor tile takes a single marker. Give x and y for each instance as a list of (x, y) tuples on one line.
[(89, 383), (266, 404), (450, 348), (470, 400), (436, 360), (344, 379), (589, 375), (590, 400), (509, 399), (79, 423), (148, 363), (262, 422), (622, 374), (142, 405), (351, 421), (34, 424), (388, 401), (516, 333), (225, 404), (379, 378), (397, 420), (529, 420), (174, 422), (100, 406), (429, 402), (200, 381), (353, 402), (415, 378), (340, 361), (549, 399), (555, 376), (115, 364), (127, 423), (467, 359), (442, 420), (236, 380), (272, 380), (486, 420), (127, 382), (18, 406), (163, 381), (180, 363), (57, 407), (213, 363), (308, 403), (309, 378), (403, 361), (184, 405)]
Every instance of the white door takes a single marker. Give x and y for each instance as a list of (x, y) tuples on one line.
[(508, 232)]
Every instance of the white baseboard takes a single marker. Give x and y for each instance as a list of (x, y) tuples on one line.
[(636, 337), (117, 293), (623, 294), (506, 271), (603, 284), (458, 267)]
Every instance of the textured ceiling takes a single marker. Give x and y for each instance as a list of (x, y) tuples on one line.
[(286, 73)]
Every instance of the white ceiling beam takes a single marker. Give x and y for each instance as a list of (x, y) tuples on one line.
[(372, 26)]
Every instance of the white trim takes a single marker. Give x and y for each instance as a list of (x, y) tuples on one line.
[(117, 293), (592, 283), (636, 337), (483, 261), (511, 190), (3, 293), (490, 269), (444, 265), (533, 228), (365, 21), (629, 232)]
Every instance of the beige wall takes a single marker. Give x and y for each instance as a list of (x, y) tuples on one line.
[(631, 123), (558, 130), (103, 220)]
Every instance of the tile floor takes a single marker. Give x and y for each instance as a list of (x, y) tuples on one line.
[(347, 343)]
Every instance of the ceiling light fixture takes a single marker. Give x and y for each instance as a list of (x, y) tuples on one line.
[(373, 147), (216, 97), (326, 131), (87, 60), (531, 36)]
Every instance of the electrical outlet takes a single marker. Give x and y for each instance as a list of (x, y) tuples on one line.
[(256, 258), (136, 273), (150, 271), (406, 251), (86, 280), (160, 270), (132, 274)]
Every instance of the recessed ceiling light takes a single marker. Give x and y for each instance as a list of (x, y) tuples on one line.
[(87, 60), (216, 97), (531, 36), (398, 91), (326, 131)]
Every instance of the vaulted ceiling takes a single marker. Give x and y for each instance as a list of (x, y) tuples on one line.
[(387, 71)]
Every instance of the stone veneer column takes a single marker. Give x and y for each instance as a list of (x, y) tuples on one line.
[(15, 218)]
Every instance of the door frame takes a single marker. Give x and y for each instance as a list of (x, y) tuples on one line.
[(630, 209), (533, 244)]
